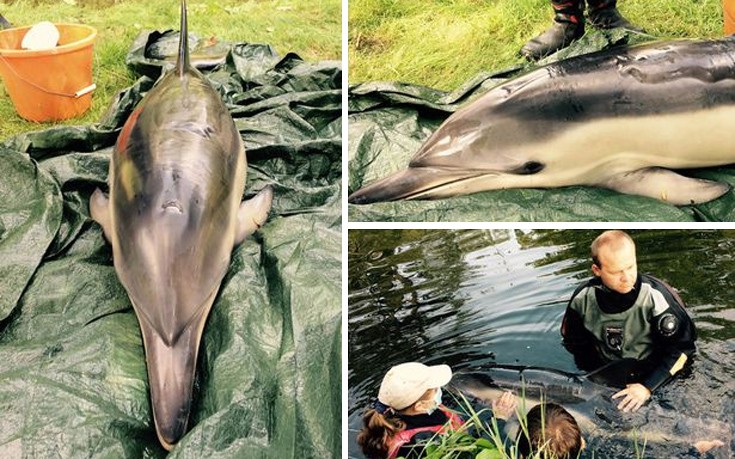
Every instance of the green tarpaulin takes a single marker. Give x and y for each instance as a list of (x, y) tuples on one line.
[(388, 122), (73, 379)]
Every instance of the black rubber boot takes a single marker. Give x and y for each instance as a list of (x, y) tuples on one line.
[(604, 14), (568, 26)]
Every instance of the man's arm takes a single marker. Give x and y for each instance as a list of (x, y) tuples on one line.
[(673, 335)]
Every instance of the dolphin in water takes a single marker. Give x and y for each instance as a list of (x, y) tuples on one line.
[(173, 216), (578, 393), (589, 401), (617, 119)]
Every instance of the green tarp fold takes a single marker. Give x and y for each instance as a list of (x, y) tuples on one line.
[(73, 380), (388, 122)]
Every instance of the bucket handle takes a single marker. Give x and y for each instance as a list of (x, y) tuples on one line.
[(74, 95)]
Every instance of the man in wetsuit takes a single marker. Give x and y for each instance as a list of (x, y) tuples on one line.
[(620, 314)]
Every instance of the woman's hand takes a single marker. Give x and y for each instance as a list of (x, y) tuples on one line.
[(504, 406)]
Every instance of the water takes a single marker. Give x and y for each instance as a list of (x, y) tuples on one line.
[(471, 298)]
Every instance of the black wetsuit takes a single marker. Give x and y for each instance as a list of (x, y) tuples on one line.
[(648, 324)]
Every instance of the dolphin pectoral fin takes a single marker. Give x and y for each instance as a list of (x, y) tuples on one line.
[(171, 370), (253, 213), (99, 209), (667, 186)]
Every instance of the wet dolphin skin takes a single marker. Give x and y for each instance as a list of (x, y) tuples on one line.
[(173, 216)]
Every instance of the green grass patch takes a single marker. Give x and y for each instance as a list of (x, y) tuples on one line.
[(443, 43), (310, 28)]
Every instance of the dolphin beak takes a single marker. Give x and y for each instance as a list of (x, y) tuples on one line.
[(171, 379), (414, 182), (171, 363)]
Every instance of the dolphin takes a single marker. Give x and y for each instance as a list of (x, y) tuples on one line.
[(590, 403), (173, 216), (617, 119), (534, 384)]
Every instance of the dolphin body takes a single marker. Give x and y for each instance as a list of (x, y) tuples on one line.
[(534, 382), (591, 405), (173, 216), (574, 391), (617, 119)]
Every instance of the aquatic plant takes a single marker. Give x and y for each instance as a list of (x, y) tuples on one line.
[(478, 439)]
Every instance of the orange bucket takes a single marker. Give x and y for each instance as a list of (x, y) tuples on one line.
[(49, 84), (728, 10)]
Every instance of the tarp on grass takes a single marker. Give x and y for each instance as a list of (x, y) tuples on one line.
[(73, 380), (388, 122)]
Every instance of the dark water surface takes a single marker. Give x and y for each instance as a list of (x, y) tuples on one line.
[(473, 298)]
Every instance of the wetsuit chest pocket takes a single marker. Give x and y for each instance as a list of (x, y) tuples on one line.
[(613, 338)]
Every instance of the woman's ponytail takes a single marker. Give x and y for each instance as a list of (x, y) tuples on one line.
[(377, 430)]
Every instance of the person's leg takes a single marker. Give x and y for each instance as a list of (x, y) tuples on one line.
[(568, 26), (605, 15)]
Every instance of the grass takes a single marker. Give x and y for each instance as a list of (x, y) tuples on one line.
[(443, 43), (310, 28)]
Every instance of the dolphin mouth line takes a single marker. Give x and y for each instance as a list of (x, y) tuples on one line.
[(171, 338), (418, 194)]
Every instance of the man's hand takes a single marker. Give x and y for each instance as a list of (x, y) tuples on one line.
[(635, 396), (504, 406)]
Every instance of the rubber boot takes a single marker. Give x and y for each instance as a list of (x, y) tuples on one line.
[(568, 26), (604, 14)]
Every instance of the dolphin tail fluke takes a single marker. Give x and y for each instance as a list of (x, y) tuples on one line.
[(99, 209), (171, 368), (412, 183), (183, 61), (253, 213), (667, 186)]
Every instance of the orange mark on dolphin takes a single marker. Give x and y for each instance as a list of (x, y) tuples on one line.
[(122, 140)]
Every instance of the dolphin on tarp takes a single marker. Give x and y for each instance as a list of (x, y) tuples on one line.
[(588, 399), (618, 119), (173, 216)]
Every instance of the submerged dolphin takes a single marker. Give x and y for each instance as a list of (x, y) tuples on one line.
[(173, 216), (535, 383), (591, 405), (617, 119)]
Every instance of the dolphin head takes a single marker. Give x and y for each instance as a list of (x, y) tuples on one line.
[(470, 152), (435, 182), (171, 263)]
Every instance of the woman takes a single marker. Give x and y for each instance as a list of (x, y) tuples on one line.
[(409, 411), (551, 429)]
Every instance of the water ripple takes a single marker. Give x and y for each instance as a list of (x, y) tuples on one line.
[(472, 298)]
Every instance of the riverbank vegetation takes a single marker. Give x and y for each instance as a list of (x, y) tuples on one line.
[(311, 29), (442, 44)]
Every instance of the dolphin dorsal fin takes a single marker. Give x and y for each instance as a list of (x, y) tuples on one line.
[(183, 60)]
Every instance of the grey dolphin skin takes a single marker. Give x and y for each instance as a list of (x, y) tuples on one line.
[(173, 216), (591, 405), (618, 119), (534, 383)]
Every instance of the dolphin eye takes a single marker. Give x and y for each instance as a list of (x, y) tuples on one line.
[(531, 167)]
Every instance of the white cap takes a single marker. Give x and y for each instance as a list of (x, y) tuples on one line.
[(404, 384)]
